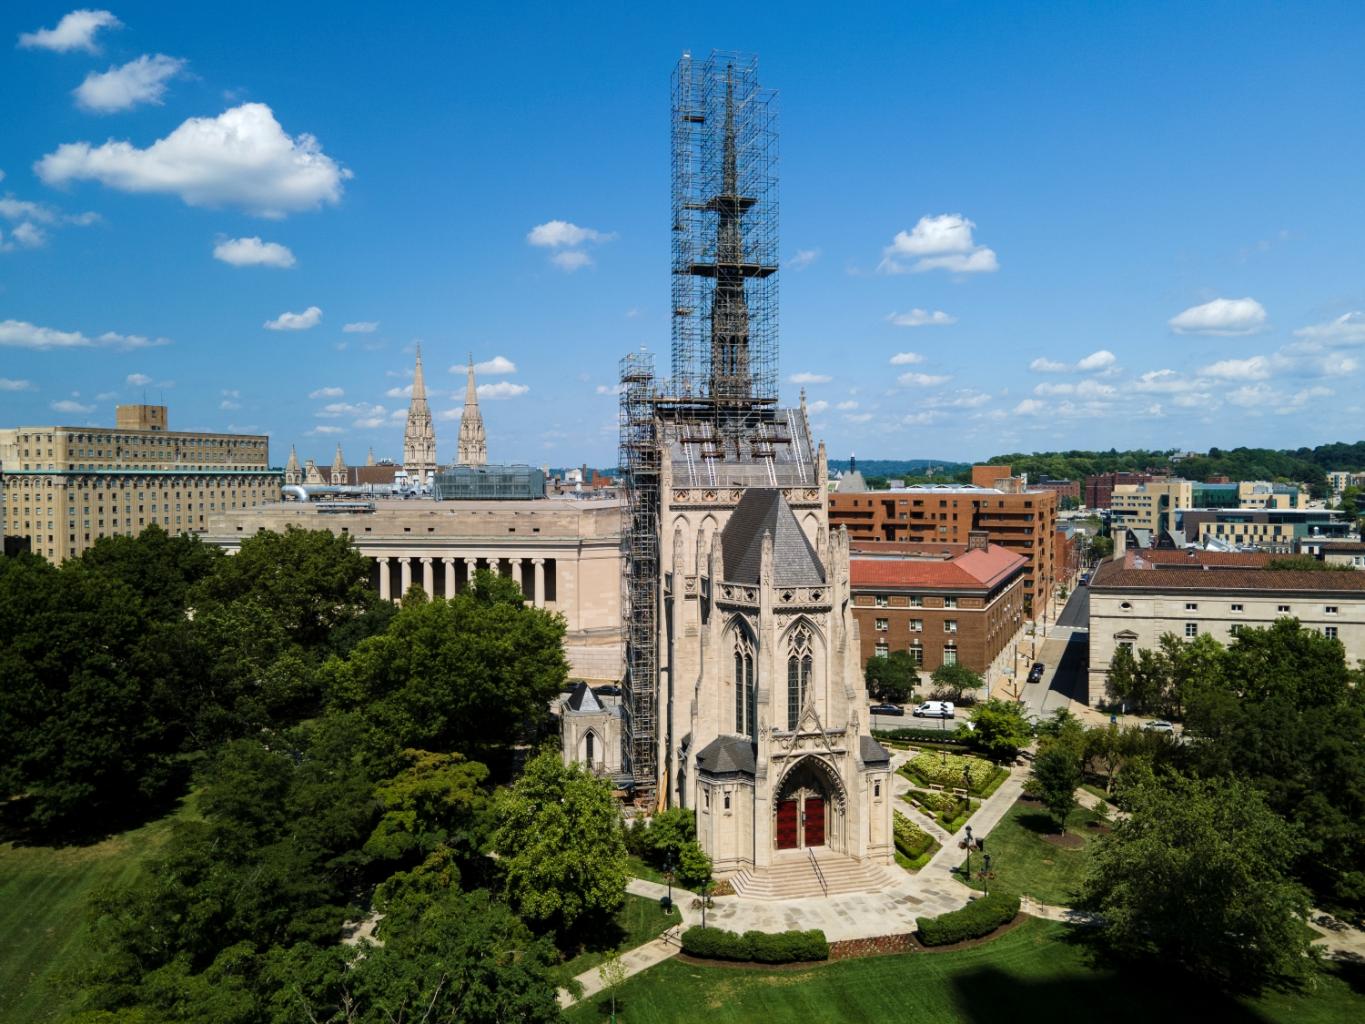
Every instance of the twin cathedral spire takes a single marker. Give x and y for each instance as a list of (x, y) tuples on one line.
[(419, 436)]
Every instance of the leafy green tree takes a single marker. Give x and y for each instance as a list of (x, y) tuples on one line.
[(1001, 729), (437, 801), (1187, 665), (472, 674), (954, 681), (1101, 547), (1056, 774), (1141, 683), (694, 867), (668, 832), (1198, 876), (892, 679), (1305, 563), (1109, 750), (559, 841)]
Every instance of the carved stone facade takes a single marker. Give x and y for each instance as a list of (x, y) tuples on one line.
[(472, 448), (419, 436)]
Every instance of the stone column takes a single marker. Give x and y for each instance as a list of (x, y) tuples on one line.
[(449, 563), (405, 564), (428, 577), (471, 566), (518, 575), (539, 564), (385, 580)]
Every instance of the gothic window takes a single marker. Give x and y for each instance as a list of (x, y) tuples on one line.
[(746, 722), (799, 667)]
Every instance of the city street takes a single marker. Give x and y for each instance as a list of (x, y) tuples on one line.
[(1063, 653)]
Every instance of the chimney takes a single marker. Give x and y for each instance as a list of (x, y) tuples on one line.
[(978, 540), (1120, 543)]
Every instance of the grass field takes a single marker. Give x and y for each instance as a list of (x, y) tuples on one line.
[(637, 868), (1037, 972), (43, 896), (1024, 862), (637, 922)]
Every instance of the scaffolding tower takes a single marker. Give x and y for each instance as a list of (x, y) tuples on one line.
[(640, 456), (724, 233)]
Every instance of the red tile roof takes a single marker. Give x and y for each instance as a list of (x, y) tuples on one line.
[(1134, 574), (972, 570), (1196, 556)]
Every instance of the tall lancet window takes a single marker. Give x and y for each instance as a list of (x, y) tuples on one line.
[(746, 721), (800, 664)]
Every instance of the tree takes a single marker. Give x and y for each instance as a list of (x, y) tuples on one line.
[(1056, 774), (613, 974), (1198, 876), (1001, 729), (1101, 547), (953, 681), (1188, 665), (559, 841), (472, 674), (1141, 683), (436, 802), (694, 867), (892, 679)]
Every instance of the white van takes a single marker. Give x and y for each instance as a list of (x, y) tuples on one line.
[(935, 709)]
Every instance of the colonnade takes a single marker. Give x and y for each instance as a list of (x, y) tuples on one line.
[(410, 565)]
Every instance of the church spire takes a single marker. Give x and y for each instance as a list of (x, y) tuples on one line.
[(419, 438), (472, 449), (339, 472), (292, 473)]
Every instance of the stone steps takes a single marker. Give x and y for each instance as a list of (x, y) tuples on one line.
[(795, 879)]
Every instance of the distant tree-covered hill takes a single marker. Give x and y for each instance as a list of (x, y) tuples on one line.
[(902, 468)]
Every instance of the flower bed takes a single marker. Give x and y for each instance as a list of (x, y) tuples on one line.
[(939, 769), (914, 846)]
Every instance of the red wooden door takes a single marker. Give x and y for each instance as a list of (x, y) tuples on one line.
[(786, 825), (815, 821)]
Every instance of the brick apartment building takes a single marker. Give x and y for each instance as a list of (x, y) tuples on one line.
[(1100, 488), (1022, 521), (1061, 488), (943, 603)]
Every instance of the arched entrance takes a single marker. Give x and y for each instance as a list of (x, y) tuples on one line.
[(809, 807)]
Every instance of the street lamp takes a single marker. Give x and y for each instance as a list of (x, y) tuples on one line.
[(668, 874), (705, 899)]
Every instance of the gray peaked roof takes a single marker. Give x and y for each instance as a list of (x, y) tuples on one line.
[(795, 562), (583, 699), (727, 755), (872, 752)]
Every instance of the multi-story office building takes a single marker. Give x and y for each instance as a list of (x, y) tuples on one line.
[(1138, 597), (66, 487), (944, 604), (1151, 505), (1248, 494), (1283, 531), (1100, 487), (1023, 521)]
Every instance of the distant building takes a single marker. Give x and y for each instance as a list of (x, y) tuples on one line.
[(1061, 488), (1276, 530), (65, 487), (1248, 494), (1100, 487), (1150, 506), (1350, 553), (1139, 596), (944, 604), (1340, 479)]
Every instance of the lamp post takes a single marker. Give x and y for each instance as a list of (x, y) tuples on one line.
[(705, 899), (986, 872), (968, 844), (668, 874)]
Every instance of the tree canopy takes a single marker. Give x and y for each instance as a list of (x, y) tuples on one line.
[(892, 679)]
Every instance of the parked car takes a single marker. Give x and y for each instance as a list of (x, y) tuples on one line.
[(1159, 725), (887, 709), (1085, 578), (935, 709), (609, 690), (1035, 674)]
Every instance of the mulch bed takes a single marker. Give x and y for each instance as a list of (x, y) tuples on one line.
[(1098, 826), (1068, 841), (747, 965)]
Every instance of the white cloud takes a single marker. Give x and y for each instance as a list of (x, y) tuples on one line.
[(1221, 316), (1164, 382), (403, 392), (859, 417), (137, 380), (361, 327), (122, 88), (26, 236), (21, 334), (9, 384), (571, 259), (921, 380), (554, 234), (1041, 365), (922, 318), (1030, 407), (295, 321), (962, 398), (1083, 389), (1347, 329), (943, 242), (252, 252), (810, 378), (847, 406), (242, 158), (502, 389), (921, 419), (449, 414), (494, 367), (325, 431), (608, 389), (67, 405), (1251, 395), (21, 209), (76, 31), (906, 359), (1101, 360), (817, 407), (329, 392), (365, 415), (1251, 368), (803, 258), (228, 404)]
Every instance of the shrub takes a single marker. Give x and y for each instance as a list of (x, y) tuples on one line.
[(916, 734), (978, 918), (911, 840), (946, 769), (760, 947)]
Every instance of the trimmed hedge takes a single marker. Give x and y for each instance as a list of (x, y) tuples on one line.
[(978, 918), (758, 947), (910, 839), (914, 734)]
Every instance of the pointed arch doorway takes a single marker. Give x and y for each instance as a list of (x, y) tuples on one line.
[(807, 808)]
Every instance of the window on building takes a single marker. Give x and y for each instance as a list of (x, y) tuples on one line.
[(1191, 629), (917, 625), (950, 655), (1127, 645), (1330, 609), (727, 801), (1237, 607), (1282, 608), (916, 602), (881, 601), (950, 625), (881, 651), (746, 723), (881, 625), (799, 669), (1235, 629), (1190, 606), (1126, 606), (950, 602), (1330, 632)]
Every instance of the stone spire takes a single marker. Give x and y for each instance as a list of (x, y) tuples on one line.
[(419, 438), (369, 459), (339, 473), (473, 445), (293, 474)]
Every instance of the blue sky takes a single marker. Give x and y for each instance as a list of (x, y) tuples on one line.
[(1006, 227)]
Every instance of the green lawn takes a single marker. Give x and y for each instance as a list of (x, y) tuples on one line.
[(1024, 862), (1037, 972), (636, 923), (43, 925), (637, 868)]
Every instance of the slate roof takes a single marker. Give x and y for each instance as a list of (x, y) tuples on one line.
[(727, 755), (872, 752), (583, 699), (795, 562)]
